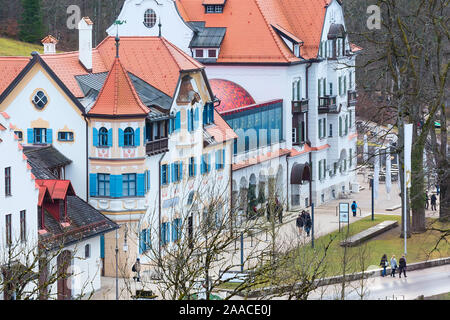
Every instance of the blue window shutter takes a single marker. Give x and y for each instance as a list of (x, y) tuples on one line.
[(110, 137), (49, 136), (140, 184), (30, 136), (173, 231), (177, 121), (147, 244), (217, 159), (189, 120), (141, 242), (205, 114), (102, 246), (148, 180), (181, 170), (197, 118), (202, 165), (119, 186), (162, 175), (211, 113), (179, 228), (170, 126), (121, 138), (137, 137), (93, 184), (95, 137)]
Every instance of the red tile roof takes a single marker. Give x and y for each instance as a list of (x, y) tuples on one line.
[(118, 96), (221, 131), (10, 68), (49, 39), (250, 37), (58, 189), (231, 95)]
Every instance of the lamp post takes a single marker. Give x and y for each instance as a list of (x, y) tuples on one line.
[(312, 224), (117, 267), (373, 196)]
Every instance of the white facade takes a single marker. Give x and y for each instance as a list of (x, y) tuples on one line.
[(22, 198), (59, 114)]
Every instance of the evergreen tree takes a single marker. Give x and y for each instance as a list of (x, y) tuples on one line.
[(31, 26)]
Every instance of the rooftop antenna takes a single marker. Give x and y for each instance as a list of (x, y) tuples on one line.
[(117, 23), (159, 26)]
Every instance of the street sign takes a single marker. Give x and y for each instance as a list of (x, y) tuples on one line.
[(344, 214)]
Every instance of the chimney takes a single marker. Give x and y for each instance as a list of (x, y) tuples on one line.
[(49, 43), (85, 42)]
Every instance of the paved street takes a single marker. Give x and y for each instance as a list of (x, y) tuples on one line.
[(425, 282)]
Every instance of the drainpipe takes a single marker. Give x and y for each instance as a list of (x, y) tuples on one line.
[(159, 210), (287, 183), (307, 97), (310, 180), (87, 159)]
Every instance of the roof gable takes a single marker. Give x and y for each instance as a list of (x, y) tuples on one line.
[(118, 96)]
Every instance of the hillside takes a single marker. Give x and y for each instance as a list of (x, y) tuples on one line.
[(9, 47)]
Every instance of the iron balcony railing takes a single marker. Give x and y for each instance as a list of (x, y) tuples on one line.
[(327, 104), (352, 97), (300, 106)]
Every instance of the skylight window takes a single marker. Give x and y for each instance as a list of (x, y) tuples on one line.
[(214, 8)]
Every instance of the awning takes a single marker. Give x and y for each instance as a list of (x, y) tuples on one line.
[(300, 173)]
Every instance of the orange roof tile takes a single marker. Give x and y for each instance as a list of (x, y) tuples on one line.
[(260, 43), (118, 96), (153, 59), (49, 39), (221, 131), (10, 68), (58, 189)]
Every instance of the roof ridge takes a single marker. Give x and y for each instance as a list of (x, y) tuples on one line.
[(133, 90), (164, 41)]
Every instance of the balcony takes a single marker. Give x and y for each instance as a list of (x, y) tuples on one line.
[(157, 146), (327, 104), (300, 106), (352, 98)]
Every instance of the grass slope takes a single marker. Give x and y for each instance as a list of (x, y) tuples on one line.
[(10, 47)]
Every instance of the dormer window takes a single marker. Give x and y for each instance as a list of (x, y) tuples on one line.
[(214, 8), (297, 50)]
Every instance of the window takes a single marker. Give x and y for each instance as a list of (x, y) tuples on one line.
[(128, 137), (8, 234), (87, 251), (165, 233), (149, 18), (19, 135), (214, 9), (322, 128), (65, 136), (176, 229), (330, 131), (191, 167), (296, 90), (103, 137), (205, 163), (199, 53), (39, 135), (331, 88), (177, 172), (40, 100), (23, 229), (218, 9), (220, 159), (212, 53), (103, 184), (164, 174), (129, 185), (296, 50), (191, 125), (294, 135), (8, 181)]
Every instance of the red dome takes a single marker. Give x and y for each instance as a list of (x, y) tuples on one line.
[(231, 95)]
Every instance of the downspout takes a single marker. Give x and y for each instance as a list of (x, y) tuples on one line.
[(159, 210), (307, 97), (287, 184), (87, 159), (310, 180)]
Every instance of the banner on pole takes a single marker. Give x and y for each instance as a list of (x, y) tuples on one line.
[(407, 153)]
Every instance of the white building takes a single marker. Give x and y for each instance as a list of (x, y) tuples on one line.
[(295, 51)]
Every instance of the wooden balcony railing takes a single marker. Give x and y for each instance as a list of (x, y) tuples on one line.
[(327, 104), (157, 146), (352, 97), (300, 106)]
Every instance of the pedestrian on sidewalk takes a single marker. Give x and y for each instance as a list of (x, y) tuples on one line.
[(433, 202), (299, 222), (137, 268), (402, 266), (308, 223), (268, 210), (384, 264), (394, 266), (427, 199), (354, 206)]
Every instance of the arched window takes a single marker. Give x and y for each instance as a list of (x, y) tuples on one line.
[(87, 251), (129, 137), (103, 136), (149, 18)]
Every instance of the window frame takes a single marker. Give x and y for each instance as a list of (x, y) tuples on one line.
[(126, 181), (41, 133), (40, 99), (128, 137), (149, 15), (87, 251), (68, 134), (23, 226), (8, 229), (8, 182), (103, 137), (101, 180)]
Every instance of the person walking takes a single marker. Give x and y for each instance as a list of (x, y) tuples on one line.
[(299, 222), (433, 202), (268, 210), (354, 206), (427, 199), (308, 223), (384, 264), (137, 268), (394, 266), (402, 266)]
